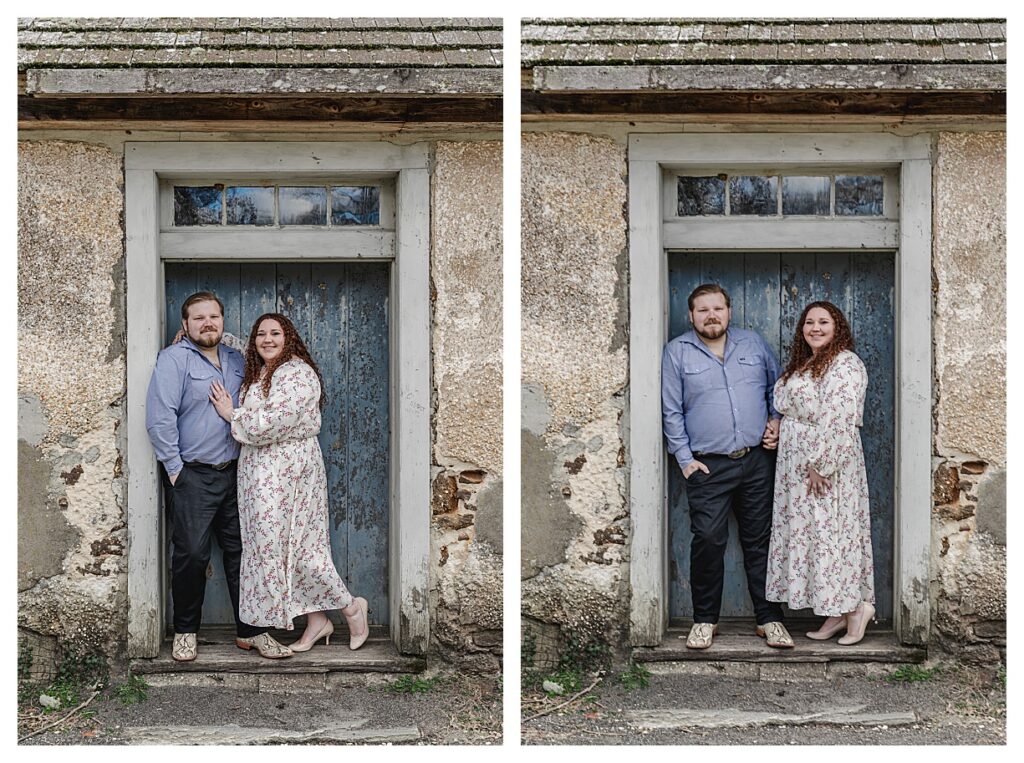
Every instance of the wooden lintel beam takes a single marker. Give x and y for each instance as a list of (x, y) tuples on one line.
[(864, 103), (244, 109)]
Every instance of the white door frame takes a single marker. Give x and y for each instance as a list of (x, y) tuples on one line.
[(408, 248), (649, 238)]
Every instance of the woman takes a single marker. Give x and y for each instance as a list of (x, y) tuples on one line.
[(820, 551), (282, 490)]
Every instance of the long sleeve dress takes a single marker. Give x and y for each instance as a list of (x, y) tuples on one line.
[(820, 551), (282, 502)]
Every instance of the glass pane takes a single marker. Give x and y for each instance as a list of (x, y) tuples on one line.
[(250, 205), (859, 194), (805, 196), (355, 206), (753, 195), (701, 196), (303, 205), (197, 204)]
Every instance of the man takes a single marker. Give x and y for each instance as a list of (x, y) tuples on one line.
[(717, 387), (199, 460)]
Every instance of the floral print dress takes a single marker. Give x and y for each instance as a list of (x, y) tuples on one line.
[(282, 502), (820, 551)]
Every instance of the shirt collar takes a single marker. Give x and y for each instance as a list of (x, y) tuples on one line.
[(187, 342)]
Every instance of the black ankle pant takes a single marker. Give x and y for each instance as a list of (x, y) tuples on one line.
[(746, 487), (202, 504)]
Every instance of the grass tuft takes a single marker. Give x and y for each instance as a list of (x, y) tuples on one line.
[(912, 674)]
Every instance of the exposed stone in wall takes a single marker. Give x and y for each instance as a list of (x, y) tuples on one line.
[(575, 364), (968, 592), (969, 481), (71, 366), (466, 506)]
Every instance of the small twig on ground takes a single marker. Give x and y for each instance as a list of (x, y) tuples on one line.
[(569, 701), (59, 721)]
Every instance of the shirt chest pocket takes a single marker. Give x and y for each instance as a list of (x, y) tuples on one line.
[(197, 386), (699, 378), (751, 367)]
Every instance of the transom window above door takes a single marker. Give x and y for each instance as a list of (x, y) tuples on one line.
[(311, 203), (793, 193), (320, 205)]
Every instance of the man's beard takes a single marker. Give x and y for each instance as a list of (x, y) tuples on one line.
[(714, 331), (202, 341)]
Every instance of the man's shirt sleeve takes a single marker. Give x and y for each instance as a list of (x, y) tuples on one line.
[(772, 371), (672, 410), (162, 403)]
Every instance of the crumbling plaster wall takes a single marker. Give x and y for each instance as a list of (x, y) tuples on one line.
[(466, 528), (969, 283), (574, 372), (72, 572)]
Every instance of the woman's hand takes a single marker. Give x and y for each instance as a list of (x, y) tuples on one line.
[(816, 484), (770, 438), (221, 400), (179, 336)]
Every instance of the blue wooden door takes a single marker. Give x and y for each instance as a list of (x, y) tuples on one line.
[(341, 312), (768, 292)]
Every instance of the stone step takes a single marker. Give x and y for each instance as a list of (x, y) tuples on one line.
[(737, 642), (722, 718), (349, 732), (220, 663)]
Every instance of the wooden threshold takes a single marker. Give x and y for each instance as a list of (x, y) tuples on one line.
[(217, 653), (737, 642)]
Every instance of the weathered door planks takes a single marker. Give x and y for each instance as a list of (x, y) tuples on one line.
[(768, 291), (341, 311)]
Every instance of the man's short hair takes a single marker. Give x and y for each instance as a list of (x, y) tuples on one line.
[(200, 296), (707, 288)]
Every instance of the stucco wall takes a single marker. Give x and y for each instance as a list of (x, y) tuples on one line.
[(969, 281), (71, 369), (574, 371), (574, 375), (466, 530), (72, 539)]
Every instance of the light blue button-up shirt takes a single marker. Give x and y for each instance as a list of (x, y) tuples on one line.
[(716, 406), (182, 423)]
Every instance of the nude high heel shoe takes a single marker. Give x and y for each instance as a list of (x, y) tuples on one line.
[(358, 638), (827, 630), (861, 616), (325, 633)]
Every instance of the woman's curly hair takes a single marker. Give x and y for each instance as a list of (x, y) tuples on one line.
[(801, 358), (294, 347)]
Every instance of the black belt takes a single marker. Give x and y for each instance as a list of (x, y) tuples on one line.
[(219, 467), (734, 455)]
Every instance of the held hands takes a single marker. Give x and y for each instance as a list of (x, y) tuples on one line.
[(770, 439), (816, 484), (221, 400), (692, 467)]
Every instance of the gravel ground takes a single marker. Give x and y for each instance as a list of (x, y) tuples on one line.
[(469, 714), (956, 706)]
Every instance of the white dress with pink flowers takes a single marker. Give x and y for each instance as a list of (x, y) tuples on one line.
[(287, 568), (820, 552)]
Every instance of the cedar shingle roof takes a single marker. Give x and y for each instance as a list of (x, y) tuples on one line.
[(295, 55), (763, 54)]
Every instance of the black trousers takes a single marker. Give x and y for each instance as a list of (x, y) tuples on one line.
[(202, 504), (746, 487)]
